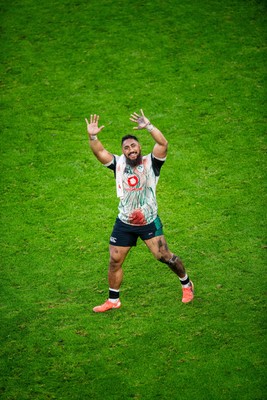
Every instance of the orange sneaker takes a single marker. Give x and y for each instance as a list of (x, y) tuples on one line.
[(108, 305), (188, 293)]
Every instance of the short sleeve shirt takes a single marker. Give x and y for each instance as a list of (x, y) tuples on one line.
[(138, 206)]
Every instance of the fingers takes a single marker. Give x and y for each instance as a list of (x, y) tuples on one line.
[(93, 119), (134, 117)]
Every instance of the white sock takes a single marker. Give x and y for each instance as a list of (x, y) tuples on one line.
[(113, 300)]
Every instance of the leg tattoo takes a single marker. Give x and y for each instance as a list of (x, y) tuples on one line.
[(175, 265)]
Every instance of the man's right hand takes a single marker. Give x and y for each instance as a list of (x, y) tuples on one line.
[(92, 127)]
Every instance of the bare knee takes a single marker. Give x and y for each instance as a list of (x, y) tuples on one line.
[(170, 260), (116, 257), (175, 264), (158, 246), (114, 261)]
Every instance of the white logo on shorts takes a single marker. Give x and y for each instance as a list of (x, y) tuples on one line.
[(113, 239)]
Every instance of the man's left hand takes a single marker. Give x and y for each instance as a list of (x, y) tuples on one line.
[(140, 120)]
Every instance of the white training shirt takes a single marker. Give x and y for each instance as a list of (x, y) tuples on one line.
[(138, 205)]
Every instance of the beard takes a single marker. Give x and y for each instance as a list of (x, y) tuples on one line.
[(134, 163)]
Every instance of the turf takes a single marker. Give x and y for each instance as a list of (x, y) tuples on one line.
[(198, 70)]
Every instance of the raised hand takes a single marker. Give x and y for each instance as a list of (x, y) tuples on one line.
[(141, 120), (92, 127)]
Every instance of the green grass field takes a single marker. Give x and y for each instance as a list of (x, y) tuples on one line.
[(198, 70)]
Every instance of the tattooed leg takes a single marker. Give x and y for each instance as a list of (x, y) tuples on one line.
[(159, 248)]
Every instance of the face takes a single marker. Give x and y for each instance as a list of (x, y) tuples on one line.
[(132, 151)]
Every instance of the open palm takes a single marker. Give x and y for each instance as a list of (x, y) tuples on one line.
[(141, 120), (92, 127)]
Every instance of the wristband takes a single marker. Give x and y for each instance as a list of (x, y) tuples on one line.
[(93, 137), (150, 127)]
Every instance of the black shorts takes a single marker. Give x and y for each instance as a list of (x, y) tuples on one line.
[(126, 235)]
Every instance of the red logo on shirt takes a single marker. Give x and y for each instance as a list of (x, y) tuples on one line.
[(133, 180)]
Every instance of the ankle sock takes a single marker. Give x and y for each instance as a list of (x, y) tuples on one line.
[(185, 281), (114, 295)]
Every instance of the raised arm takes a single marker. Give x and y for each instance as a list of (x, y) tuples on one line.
[(96, 146), (161, 146)]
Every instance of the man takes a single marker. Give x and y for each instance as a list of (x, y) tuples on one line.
[(136, 179)]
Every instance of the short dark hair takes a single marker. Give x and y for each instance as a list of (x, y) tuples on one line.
[(128, 137)]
